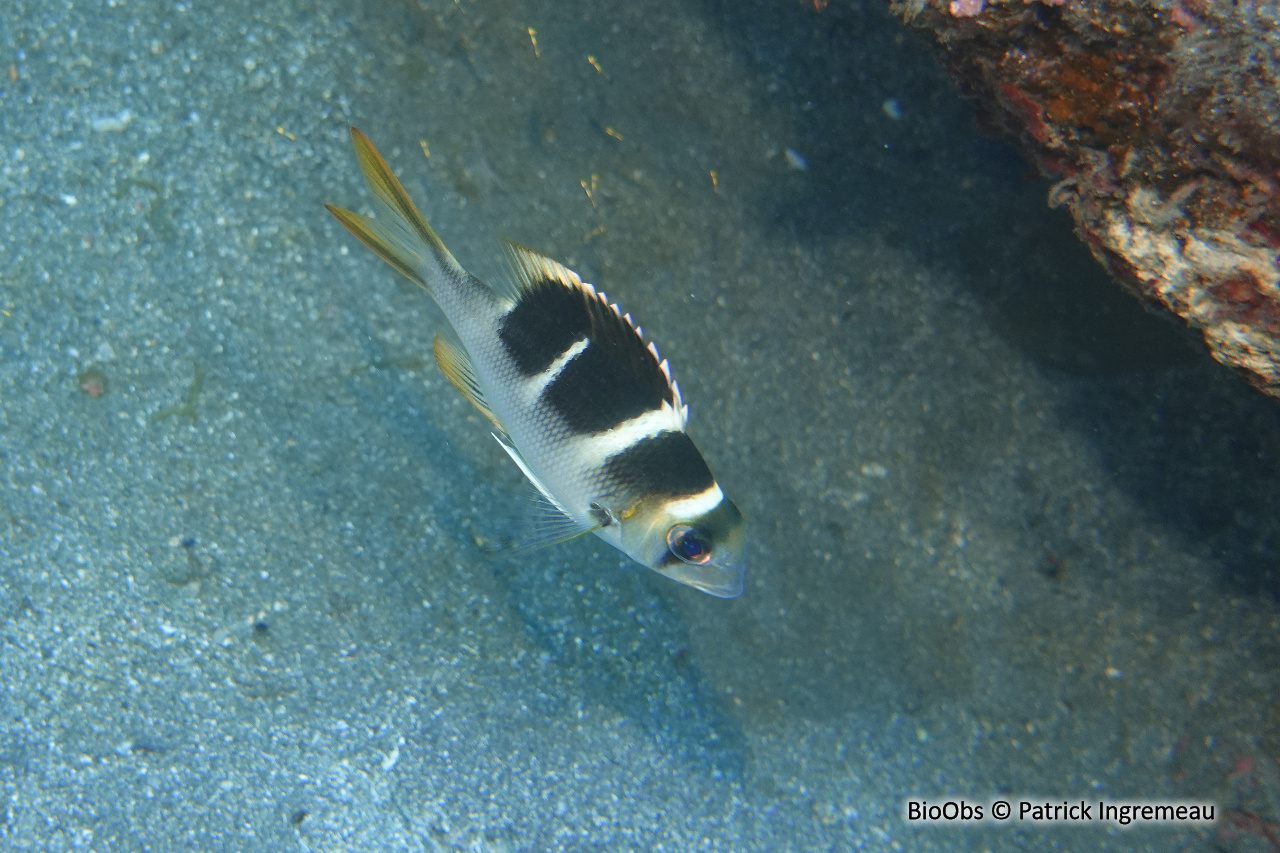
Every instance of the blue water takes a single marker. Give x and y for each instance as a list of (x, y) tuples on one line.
[(1011, 536)]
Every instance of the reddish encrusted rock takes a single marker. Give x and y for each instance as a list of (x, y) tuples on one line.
[(1160, 120)]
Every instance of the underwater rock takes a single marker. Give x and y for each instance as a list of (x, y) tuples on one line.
[(1160, 122)]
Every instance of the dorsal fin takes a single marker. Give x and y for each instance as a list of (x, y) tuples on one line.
[(456, 367), (537, 279), (531, 269)]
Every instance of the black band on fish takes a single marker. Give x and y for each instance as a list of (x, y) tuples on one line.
[(593, 388), (667, 464), (546, 321), (602, 388)]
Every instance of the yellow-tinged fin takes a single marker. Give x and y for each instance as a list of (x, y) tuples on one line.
[(533, 268), (405, 240), (386, 188), (455, 364), (388, 244)]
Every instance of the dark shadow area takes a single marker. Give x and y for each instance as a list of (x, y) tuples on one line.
[(1048, 297), (927, 182), (625, 645), (592, 612), (1181, 434), (1201, 449)]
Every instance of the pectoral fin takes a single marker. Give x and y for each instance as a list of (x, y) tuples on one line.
[(546, 524)]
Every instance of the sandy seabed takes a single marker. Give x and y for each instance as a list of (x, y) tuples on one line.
[(1010, 536)]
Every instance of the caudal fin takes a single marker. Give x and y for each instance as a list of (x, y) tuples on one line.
[(403, 239)]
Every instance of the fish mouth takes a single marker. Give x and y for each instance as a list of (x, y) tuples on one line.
[(722, 581)]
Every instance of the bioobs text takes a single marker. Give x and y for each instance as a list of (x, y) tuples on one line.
[(950, 810)]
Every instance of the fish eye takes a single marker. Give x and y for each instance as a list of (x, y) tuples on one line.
[(688, 544)]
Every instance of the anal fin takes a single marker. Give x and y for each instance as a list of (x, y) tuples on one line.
[(456, 366)]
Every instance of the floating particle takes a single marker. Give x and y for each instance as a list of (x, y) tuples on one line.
[(590, 189), (795, 161), (875, 469), (92, 382), (112, 124), (892, 108)]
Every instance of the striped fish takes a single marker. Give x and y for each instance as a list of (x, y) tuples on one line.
[(583, 405)]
